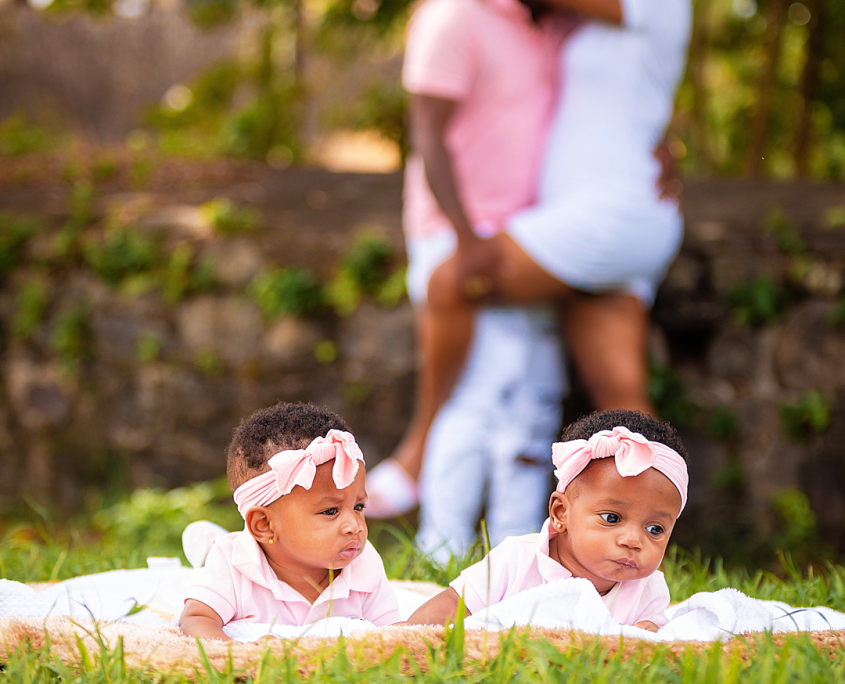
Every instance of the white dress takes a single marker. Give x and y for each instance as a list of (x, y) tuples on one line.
[(598, 225)]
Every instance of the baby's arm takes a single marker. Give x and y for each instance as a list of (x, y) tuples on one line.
[(198, 620), (647, 624), (438, 610)]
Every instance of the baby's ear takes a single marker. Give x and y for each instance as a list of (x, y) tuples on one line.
[(258, 524), (557, 511)]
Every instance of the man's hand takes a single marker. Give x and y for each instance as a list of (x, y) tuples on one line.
[(478, 264)]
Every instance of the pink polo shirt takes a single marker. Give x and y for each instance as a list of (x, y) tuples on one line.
[(504, 70), (520, 563), (238, 584)]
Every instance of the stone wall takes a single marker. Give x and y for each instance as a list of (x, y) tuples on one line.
[(120, 421)]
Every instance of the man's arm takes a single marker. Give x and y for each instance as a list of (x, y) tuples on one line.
[(198, 620), (430, 117)]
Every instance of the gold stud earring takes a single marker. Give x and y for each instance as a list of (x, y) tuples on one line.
[(271, 541)]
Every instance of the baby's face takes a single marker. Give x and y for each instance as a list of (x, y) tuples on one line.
[(319, 528), (613, 528)]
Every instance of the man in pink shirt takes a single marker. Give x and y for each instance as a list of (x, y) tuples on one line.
[(483, 77)]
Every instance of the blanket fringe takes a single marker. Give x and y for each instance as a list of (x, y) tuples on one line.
[(165, 649)]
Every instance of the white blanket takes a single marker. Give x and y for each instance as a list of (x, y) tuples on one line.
[(707, 616), (143, 596)]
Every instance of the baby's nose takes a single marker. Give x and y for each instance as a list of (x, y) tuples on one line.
[(630, 538), (352, 524)]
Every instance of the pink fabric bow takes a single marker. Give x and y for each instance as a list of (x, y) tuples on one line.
[(633, 454), (298, 467)]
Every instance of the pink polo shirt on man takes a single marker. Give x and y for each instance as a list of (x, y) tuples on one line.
[(503, 70), (520, 563), (238, 584)]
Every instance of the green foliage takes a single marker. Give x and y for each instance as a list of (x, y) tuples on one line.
[(368, 261), (148, 348), (758, 301), (105, 166), (357, 391), (836, 316), (71, 338), (394, 289), (81, 201), (722, 424), (229, 219), (208, 362), (364, 271), (121, 251), (403, 560), (384, 107), (15, 232), (30, 306), (808, 416), (343, 293), (181, 276), (784, 231), (287, 292), (325, 352), (730, 477), (210, 13), (796, 532), (669, 395), (834, 217), (153, 519), (18, 136)]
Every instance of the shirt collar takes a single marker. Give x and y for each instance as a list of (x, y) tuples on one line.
[(550, 569), (361, 575)]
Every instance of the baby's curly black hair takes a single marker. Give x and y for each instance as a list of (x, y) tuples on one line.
[(650, 428), (271, 430)]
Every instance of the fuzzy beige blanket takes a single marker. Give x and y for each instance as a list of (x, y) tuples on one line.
[(165, 649)]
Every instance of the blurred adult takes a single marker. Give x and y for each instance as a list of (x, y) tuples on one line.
[(599, 239), (483, 79)]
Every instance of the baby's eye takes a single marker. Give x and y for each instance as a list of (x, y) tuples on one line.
[(360, 507), (329, 512), (610, 517), (654, 530)]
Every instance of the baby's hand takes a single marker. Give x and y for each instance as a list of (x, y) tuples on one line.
[(647, 624)]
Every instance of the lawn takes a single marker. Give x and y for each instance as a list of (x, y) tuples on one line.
[(34, 548)]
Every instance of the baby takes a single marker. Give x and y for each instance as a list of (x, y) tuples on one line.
[(303, 554), (622, 483)]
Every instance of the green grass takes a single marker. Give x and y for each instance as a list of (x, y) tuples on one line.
[(34, 548)]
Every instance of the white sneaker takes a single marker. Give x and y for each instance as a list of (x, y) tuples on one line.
[(390, 491), (197, 540)]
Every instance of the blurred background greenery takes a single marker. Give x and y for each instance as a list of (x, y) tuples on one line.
[(763, 94)]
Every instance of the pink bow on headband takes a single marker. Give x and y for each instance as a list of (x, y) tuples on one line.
[(633, 454), (298, 467)]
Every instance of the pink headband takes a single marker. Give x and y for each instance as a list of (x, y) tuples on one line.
[(298, 467), (633, 452)]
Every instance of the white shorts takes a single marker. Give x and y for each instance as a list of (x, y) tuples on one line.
[(598, 243)]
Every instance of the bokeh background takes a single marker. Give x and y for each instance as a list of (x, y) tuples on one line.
[(200, 216)]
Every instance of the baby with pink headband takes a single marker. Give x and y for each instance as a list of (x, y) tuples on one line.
[(303, 555), (622, 483)]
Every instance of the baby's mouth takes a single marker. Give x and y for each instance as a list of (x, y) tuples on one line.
[(350, 550), (627, 563)]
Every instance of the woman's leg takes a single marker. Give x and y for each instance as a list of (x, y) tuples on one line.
[(607, 336)]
